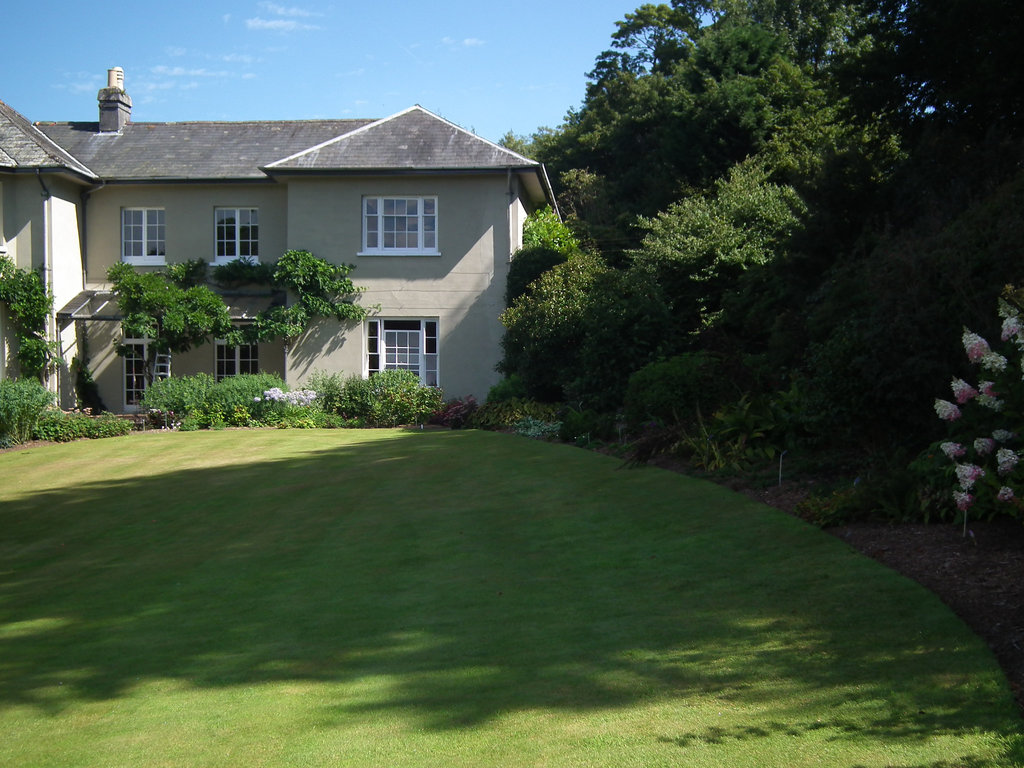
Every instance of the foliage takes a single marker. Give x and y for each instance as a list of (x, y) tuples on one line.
[(389, 398), (698, 248), (22, 403), (544, 229), (537, 429), (985, 423), (28, 304), (580, 330), (528, 264), (61, 427), (673, 391), (171, 318), (330, 388), (245, 391), (587, 426), (456, 413), (508, 388), (504, 414), (238, 272), (178, 395)]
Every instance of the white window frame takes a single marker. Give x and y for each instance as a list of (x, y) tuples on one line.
[(135, 367), (148, 241), (237, 242), (389, 348), (236, 359), (380, 222)]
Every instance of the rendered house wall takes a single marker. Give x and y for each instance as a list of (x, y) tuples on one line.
[(462, 288), (189, 219)]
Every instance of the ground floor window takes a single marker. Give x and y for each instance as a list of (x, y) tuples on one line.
[(231, 361), (403, 344), (135, 370)]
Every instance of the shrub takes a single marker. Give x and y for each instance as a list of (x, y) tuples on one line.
[(246, 391), (178, 395), (537, 429), (673, 391), (505, 414), (330, 390), (389, 398), (60, 427), (509, 388), (22, 402), (456, 413), (583, 427)]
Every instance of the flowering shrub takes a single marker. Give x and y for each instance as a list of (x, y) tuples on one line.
[(299, 398), (984, 455), (455, 414)]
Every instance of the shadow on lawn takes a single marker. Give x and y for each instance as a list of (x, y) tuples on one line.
[(476, 579)]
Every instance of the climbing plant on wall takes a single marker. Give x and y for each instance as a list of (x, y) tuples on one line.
[(176, 310), (28, 304)]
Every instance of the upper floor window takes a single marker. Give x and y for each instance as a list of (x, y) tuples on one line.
[(143, 236), (400, 225), (237, 234)]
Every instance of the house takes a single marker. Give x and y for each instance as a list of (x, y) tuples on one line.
[(428, 213)]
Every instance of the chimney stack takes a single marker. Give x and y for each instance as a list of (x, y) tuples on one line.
[(115, 104)]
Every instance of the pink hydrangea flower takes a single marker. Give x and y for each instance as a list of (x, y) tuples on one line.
[(963, 391), (1007, 460), (984, 446), (986, 388), (967, 474), (993, 361), (1005, 494), (952, 450), (975, 346), (946, 410), (963, 500), (1002, 435), (1011, 328)]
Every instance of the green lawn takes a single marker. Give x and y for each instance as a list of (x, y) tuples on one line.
[(389, 598)]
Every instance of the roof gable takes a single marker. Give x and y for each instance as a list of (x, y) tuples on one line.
[(23, 146), (414, 139)]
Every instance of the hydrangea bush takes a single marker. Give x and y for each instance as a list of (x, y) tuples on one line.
[(985, 424)]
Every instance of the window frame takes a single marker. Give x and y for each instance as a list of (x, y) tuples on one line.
[(427, 368), (139, 385), (426, 225), (237, 241), (252, 361), (146, 259)]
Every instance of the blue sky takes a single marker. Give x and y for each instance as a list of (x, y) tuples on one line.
[(489, 67)]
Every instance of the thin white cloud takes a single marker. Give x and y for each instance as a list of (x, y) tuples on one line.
[(280, 10), (467, 42), (236, 58), (183, 72), (278, 25), (174, 50)]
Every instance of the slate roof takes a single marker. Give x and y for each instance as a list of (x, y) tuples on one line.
[(23, 147), (413, 139), (192, 150)]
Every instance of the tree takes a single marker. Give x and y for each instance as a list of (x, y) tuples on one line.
[(173, 319), (698, 248)]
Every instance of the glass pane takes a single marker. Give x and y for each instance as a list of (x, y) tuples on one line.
[(429, 206), (370, 204)]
